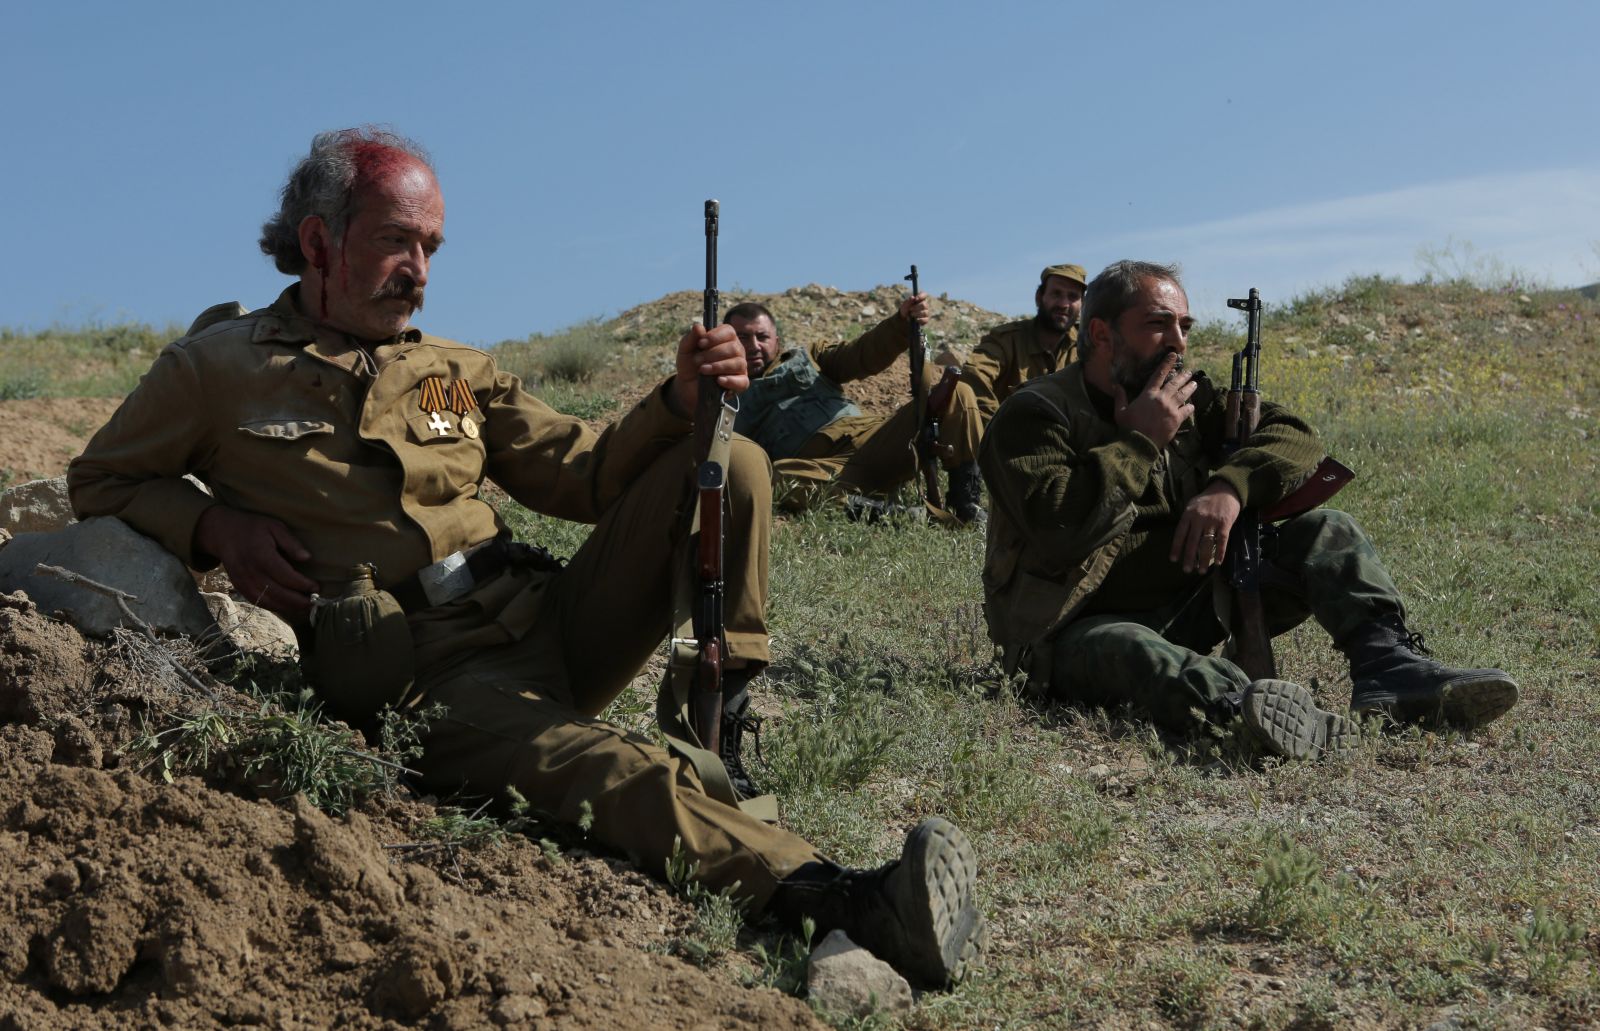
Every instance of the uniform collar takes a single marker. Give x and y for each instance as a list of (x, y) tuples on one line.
[(1062, 348), (286, 323)]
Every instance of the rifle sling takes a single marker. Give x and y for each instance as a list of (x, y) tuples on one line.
[(676, 694)]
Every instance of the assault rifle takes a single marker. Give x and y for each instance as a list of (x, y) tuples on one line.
[(709, 481), (1242, 566), (928, 406)]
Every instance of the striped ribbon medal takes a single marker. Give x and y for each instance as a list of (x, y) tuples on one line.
[(435, 398)]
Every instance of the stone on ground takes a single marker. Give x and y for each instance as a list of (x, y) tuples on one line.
[(846, 980)]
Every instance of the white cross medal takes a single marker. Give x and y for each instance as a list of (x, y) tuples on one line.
[(439, 424)]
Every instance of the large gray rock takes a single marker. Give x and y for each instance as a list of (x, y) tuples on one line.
[(37, 506), (105, 550), (846, 980)]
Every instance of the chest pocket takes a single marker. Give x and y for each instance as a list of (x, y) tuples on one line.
[(444, 462)]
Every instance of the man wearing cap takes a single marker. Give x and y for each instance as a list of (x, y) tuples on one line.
[(1010, 355), (345, 453), (1113, 502), (820, 443)]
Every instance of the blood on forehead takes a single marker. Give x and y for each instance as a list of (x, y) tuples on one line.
[(378, 163)]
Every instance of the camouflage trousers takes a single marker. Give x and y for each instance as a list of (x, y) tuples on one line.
[(872, 455), (1161, 661)]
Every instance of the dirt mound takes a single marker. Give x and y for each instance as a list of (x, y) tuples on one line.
[(129, 902), (43, 434)]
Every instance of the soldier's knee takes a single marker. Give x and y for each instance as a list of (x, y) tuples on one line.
[(749, 472), (1327, 523)]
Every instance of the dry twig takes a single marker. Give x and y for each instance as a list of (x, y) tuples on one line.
[(122, 598)]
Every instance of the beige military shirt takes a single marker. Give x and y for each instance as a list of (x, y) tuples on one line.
[(367, 456), (1007, 357)]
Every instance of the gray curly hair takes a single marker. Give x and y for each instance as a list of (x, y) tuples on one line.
[(324, 183), (1114, 291)]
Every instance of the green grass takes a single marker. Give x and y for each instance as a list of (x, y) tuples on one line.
[(86, 361), (1133, 881)]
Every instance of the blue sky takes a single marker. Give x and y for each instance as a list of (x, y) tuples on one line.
[(1282, 146)]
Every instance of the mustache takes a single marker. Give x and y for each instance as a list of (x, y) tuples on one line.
[(402, 288)]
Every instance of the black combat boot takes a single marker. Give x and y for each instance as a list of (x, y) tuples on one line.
[(916, 913), (1283, 720), (1391, 674), (964, 496), (736, 719)]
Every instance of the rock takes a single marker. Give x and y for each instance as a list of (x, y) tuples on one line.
[(37, 506), (846, 980), (252, 630), (105, 550)]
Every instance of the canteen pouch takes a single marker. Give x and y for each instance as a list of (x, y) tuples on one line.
[(361, 656)]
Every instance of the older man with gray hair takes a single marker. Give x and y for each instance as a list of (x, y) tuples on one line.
[(345, 453)]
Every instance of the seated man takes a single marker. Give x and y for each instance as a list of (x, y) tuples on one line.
[(333, 434), (818, 440), (1112, 503), (1010, 355)]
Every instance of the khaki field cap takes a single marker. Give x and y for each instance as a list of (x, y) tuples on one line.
[(1072, 272)]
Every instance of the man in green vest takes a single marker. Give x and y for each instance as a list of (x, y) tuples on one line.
[(820, 443), (1010, 355), (1113, 501)]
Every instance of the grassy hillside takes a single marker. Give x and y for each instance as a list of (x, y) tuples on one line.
[(1134, 881)]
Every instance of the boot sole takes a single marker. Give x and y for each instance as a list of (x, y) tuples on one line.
[(945, 934), (1285, 721), (1463, 703)]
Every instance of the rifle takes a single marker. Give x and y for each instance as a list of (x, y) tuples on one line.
[(927, 406), (1242, 566), (1252, 645), (709, 482)]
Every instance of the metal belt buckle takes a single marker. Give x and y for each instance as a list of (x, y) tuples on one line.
[(447, 579)]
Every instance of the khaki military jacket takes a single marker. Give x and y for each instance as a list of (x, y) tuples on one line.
[(1064, 483), (1009, 356), (373, 456)]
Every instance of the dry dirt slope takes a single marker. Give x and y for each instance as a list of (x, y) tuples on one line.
[(128, 902)]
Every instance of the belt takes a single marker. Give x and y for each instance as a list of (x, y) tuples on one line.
[(452, 576)]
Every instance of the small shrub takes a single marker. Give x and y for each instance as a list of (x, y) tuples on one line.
[(572, 355), (719, 915)]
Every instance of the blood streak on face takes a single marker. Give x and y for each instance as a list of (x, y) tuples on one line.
[(376, 163)]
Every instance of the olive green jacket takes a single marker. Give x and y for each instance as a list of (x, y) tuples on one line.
[(1064, 483), (373, 456), (1009, 356)]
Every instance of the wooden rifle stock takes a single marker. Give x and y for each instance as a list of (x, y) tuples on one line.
[(708, 605), (709, 483)]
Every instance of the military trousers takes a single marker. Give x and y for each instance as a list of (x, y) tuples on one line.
[(1323, 567), (871, 454), (523, 687)]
